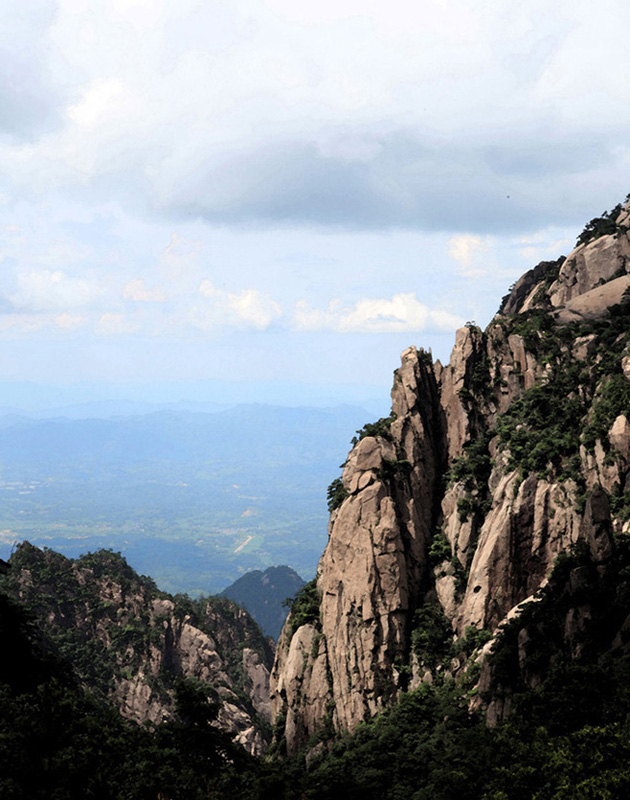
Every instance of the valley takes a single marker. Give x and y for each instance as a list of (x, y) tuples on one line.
[(195, 500)]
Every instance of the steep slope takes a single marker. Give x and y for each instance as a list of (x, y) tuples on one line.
[(453, 511), (131, 643)]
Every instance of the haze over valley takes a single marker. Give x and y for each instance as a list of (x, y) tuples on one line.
[(192, 499)]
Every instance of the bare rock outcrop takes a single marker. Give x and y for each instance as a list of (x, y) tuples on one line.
[(489, 468), (302, 694), (589, 266)]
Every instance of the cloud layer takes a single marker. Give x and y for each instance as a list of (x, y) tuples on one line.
[(429, 116), (269, 175), (401, 313)]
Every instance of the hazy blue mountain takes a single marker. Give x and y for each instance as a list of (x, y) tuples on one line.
[(263, 594), (195, 499), (108, 409), (106, 399), (254, 433)]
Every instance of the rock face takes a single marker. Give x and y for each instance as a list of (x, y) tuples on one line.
[(132, 643), (488, 469)]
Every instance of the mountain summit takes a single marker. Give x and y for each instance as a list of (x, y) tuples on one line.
[(451, 513)]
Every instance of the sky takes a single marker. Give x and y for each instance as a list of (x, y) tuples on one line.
[(269, 200)]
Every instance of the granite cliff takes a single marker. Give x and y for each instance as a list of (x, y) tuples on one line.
[(451, 513)]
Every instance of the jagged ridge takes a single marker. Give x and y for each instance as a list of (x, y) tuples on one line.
[(130, 642), (489, 468)]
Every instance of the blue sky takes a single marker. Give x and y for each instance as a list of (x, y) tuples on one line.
[(270, 194)]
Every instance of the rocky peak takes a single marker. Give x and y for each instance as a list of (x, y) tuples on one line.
[(601, 256), (459, 503)]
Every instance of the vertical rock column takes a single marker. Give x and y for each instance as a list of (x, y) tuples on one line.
[(372, 569)]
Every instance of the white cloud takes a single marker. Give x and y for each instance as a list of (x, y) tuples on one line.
[(69, 322), (249, 308), (114, 324), (471, 253), (345, 113), (52, 290), (401, 314), (464, 247), (100, 101), (540, 247), (138, 291), (22, 323), (180, 253)]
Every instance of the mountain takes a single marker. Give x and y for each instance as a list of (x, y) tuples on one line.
[(468, 631), (133, 645), (479, 534), (264, 595)]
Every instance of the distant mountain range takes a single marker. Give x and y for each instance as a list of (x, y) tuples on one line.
[(263, 595), (194, 499)]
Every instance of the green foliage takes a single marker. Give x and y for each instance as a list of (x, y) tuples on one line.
[(567, 738), (612, 399), (432, 636), (473, 470), (620, 505), (440, 553), (58, 741), (393, 469), (474, 466), (434, 643), (304, 607), (95, 612), (480, 384), (603, 225), (113, 565), (541, 428), (196, 702), (411, 751), (613, 336), (439, 549), (473, 639), (336, 494), (278, 745), (537, 329), (379, 428)]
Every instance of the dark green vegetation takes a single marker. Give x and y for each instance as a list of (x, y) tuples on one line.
[(603, 225), (433, 642), (379, 428), (98, 615), (575, 403), (565, 738), (579, 399), (304, 607), (335, 494), (263, 595), (193, 499), (58, 740)]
